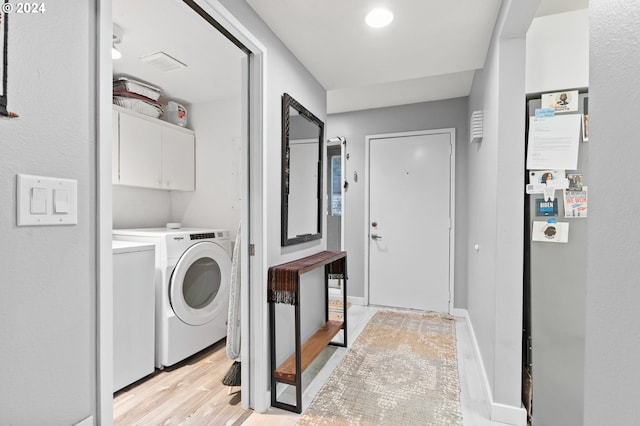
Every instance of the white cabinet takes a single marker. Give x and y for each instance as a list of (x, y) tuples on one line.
[(140, 152), (133, 312), (178, 155), (154, 154)]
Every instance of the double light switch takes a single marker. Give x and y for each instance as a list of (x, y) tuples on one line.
[(46, 201)]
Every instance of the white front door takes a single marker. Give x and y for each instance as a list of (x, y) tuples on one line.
[(409, 220)]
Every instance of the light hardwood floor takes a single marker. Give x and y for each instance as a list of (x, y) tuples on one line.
[(189, 393)]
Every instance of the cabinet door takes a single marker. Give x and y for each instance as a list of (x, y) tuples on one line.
[(140, 152), (115, 146), (178, 159)]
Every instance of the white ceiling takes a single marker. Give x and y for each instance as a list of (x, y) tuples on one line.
[(430, 51), (552, 7), (213, 63)]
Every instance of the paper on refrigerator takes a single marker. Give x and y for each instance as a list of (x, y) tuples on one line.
[(554, 142), (575, 203), (546, 182), (550, 232)]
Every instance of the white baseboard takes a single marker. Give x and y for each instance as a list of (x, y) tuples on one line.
[(460, 313), (86, 422), (356, 300), (508, 414)]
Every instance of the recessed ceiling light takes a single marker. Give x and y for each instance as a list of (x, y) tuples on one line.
[(378, 18)]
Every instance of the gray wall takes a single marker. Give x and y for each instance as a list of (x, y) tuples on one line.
[(613, 290), (355, 126), (496, 194), (48, 285), (284, 74)]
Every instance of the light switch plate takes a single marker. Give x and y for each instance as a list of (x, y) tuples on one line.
[(47, 187)]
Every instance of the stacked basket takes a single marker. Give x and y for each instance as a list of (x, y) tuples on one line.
[(137, 96)]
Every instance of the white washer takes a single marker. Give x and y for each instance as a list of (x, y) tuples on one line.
[(193, 273)]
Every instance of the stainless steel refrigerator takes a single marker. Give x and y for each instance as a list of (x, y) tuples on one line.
[(554, 303)]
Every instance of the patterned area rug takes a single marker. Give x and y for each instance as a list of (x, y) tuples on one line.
[(402, 370)]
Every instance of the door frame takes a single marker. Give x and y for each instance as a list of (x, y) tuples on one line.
[(342, 143), (452, 199), (254, 376)]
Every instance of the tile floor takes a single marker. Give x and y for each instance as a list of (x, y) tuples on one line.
[(473, 399)]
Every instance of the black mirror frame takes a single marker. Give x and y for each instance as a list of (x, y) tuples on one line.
[(286, 240)]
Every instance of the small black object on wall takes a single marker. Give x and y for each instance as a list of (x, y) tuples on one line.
[(3, 57)]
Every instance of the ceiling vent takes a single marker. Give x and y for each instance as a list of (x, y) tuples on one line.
[(163, 62), (476, 126)]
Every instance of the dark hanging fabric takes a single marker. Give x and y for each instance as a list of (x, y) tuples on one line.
[(283, 280)]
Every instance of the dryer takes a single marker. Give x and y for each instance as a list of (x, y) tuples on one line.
[(192, 278)]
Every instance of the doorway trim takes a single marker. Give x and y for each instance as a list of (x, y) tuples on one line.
[(253, 208), (452, 200), (342, 143)]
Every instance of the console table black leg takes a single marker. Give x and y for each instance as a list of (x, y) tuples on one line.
[(326, 293), (272, 350), (344, 299), (298, 355)]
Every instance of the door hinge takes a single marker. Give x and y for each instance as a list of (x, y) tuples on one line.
[(252, 249)]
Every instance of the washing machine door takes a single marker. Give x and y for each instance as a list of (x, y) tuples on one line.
[(199, 287)]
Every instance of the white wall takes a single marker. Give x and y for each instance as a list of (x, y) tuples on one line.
[(558, 52), (355, 126), (612, 326), (283, 74), (140, 208), (216, 201), (48, 296), (495, 188)]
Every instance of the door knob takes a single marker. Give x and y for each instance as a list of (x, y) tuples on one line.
[(376, 237)]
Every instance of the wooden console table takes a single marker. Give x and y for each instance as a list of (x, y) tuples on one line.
[(284, 287)]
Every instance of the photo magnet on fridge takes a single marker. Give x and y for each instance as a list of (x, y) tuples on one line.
[(546, 208), (566, 101), (550, 232)]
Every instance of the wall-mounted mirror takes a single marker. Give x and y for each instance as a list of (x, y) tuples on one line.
[(302, 135)]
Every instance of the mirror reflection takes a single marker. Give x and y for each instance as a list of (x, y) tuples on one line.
[(302, 134)]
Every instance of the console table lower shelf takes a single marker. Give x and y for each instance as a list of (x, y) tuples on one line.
[(284, 287)]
